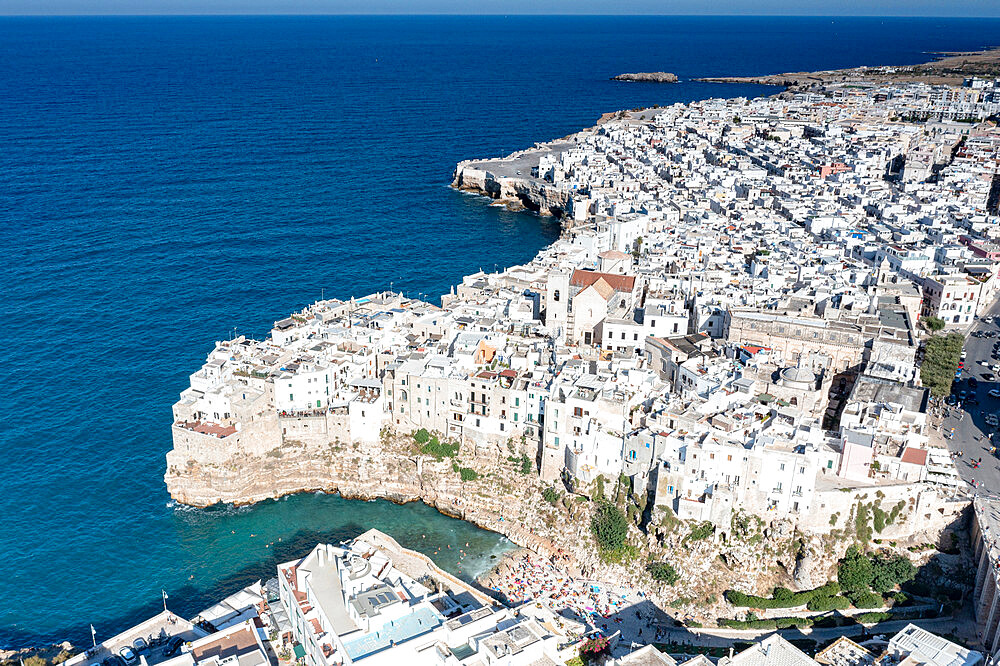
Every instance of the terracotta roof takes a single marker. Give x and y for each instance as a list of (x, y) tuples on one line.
[(508, 373), (604, 289), (914, 456), (617, 282), (613, 254)]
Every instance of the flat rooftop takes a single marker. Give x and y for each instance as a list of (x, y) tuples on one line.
[(419, 622), (874, 389), (241, 644)]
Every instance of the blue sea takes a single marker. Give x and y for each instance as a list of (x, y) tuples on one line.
[(165, 182)]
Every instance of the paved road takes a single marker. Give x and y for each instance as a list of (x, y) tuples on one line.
[(972, 434), (725, 637)]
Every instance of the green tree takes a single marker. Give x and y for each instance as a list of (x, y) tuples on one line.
[(933, 323), (663, 572), (941, 356), (888, 571), (855, 571), (610, 528), (866, 599)]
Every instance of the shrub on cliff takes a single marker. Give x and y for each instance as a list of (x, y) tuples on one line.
[(466, 473), (663, 572), (439, 449), (700, 531), (888, 571), (524, 462), (550, 495), (855, 571), (610, 529), (421, 436)]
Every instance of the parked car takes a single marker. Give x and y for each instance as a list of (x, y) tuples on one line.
[(173, 645), (139, 645), (988, 376), (128, 656)]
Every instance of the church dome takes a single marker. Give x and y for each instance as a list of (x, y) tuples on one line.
[(799, 377)]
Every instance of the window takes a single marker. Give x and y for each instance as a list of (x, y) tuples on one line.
[(781, 467), (802, 470), (291, 396), (578, 411), (729, 458), (555, 296)]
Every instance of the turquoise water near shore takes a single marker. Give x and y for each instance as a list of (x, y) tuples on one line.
[(166, 180)]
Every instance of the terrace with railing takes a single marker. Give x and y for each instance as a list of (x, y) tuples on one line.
[(207, 428)]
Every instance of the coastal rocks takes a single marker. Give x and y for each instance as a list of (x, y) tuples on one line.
[(54, 654), (647, 77), (517, 192)]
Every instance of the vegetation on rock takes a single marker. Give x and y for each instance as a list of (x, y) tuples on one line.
[(663, 572), (610, 528)]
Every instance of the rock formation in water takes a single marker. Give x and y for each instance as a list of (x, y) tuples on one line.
[(647, 77)]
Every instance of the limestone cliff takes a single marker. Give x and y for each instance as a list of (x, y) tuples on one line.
[(390, 469), (517, 192), (749, 554)]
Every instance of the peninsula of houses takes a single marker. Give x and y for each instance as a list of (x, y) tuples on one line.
[(725, 345)]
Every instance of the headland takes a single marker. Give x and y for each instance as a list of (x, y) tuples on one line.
[(720, 356)]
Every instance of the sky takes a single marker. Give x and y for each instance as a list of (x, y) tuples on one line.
[(957, 8)]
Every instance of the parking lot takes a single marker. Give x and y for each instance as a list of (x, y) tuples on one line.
[(149, 642), (969, 426)]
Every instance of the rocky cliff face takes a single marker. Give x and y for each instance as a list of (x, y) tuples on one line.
[(518, 193), (751, 555), (391, 469)]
